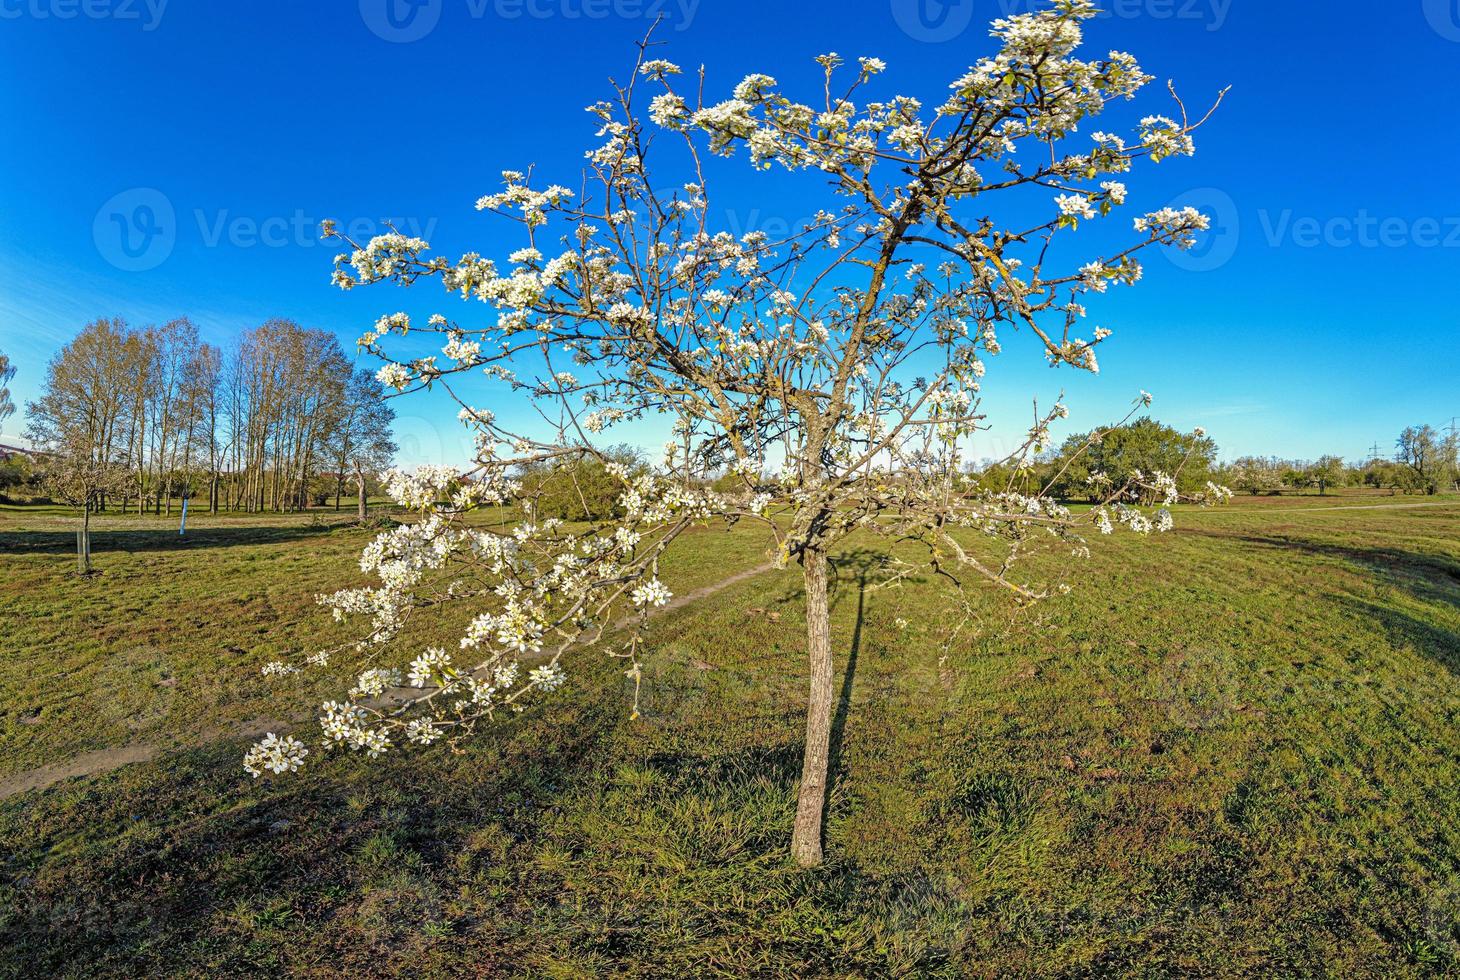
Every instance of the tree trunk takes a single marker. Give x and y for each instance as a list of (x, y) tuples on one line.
[(806, 837), (83, 542), (360, 491)]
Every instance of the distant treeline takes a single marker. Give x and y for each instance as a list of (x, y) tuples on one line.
[(134, 419), (1424, 461), (138, 418)]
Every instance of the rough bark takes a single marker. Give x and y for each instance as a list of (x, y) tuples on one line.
[(83, 542), (806, 836)]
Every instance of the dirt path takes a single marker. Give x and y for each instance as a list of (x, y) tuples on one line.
[(1283, 511), (85, 764), (703, 592), (105, 760)]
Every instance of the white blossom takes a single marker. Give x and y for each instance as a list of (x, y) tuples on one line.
[(276, 754), (546, 678), (651, 593), (1075, 206)]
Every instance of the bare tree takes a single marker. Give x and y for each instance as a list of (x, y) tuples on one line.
[(74, 474), (139, 359), (287, 391), (79, 422), (208, 382), (86, 408), (172, 400), (360, 437), (168, 404)]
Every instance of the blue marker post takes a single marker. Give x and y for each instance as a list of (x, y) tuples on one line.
[(183, 527)]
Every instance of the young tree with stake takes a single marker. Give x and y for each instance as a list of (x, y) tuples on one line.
[(847, 357), (77, 475)]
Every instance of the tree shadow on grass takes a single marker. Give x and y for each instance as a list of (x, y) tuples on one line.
[(1435, 643), (852, 573), (165, 849), (861, 564), (133, 540), (1427, 576), (779, 763), (859, 568), (1433, 579)]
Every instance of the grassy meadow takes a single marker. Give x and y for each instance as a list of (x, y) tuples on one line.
[(1234, 750)]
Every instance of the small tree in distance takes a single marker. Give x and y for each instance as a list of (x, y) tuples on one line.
[(75, 474), (581, 489), (1425, 452), (836, 372), (1327, 471), (1090, 462), (360, 435)]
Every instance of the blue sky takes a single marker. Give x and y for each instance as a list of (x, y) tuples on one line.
[(1320, 316)]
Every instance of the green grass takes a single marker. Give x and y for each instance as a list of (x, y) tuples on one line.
[(165, 644), (1231, 751)]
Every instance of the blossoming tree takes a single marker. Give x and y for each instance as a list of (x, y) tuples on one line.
[(834, 371)]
